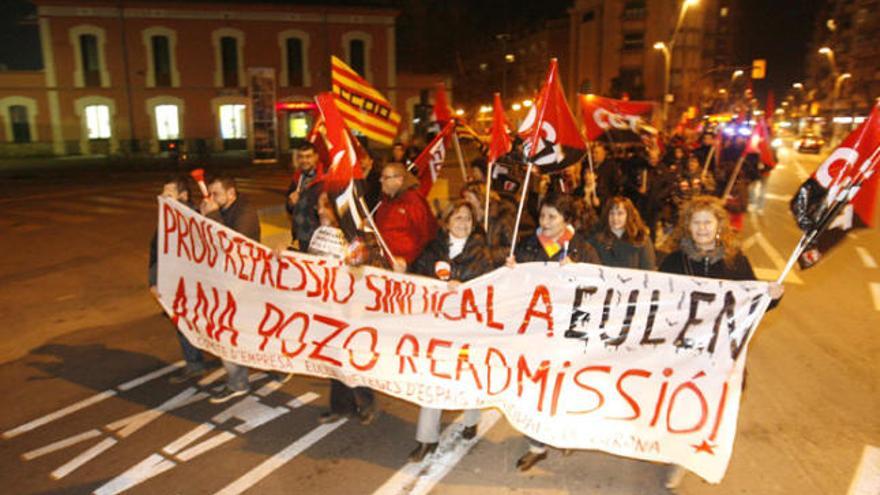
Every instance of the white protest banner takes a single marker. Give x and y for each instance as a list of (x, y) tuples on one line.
[(640, 364)]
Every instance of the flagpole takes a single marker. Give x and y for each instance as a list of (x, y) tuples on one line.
[(519, 210), (460, 156), (706, 164), (488, 190), (733, 176), (376, 230)]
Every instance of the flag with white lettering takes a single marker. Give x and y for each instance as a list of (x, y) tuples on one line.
[(551, 140), (841, 194), (429, 162), (605, 114)]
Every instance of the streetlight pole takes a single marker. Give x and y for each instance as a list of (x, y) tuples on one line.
[(667, 59), (667, 48)]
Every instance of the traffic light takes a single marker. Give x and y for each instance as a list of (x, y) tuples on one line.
[(759, 68)]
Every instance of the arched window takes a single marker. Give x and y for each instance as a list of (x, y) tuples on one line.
[(228, 57), (160, 44), (19, 118), (357, 46), (88, 52)]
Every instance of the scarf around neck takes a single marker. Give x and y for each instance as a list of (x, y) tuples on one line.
[(551, 247), (691, 251)]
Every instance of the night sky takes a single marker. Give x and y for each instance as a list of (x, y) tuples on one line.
[(778, 30)]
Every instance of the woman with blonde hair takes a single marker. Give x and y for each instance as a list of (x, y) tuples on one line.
[(459, 253), (705, 245), (622, 239)]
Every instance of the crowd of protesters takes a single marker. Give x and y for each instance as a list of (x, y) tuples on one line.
[(676, 207)]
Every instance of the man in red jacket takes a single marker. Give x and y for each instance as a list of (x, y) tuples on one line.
[(403, 217)]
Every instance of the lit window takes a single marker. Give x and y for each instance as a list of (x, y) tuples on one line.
[(232, 122), (98, 121), (299, 126), (167, 124)]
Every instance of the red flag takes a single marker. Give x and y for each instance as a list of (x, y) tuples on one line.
[(316, 138), (842, 192), (552, 140), (431, 159), (442, 111), (759, 143), (500, 138), (602, 114), (770, 107), (343, 165)]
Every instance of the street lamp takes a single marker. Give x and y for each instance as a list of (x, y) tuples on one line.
[(667, 67), (798, 85), (828, 52), (667, 48)]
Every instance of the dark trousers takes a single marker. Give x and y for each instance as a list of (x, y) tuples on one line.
[(191, 354), (346, 400)]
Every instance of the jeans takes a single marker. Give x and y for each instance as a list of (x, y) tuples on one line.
[(428, 428), (191, 354), (237, 376)]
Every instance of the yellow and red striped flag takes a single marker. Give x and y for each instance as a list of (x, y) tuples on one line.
[(363, 108)]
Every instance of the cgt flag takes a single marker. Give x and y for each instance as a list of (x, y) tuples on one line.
[(759, 143), (550, 134), (430, 160), (841, 193), (603, 114), (362, 107), (341, 179)]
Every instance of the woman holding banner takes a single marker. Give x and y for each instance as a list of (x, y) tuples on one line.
[(704, 245), (329, 241), (459, 253), (555, 240), (623, 240)]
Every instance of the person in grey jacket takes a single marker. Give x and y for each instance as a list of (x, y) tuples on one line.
[(622, 239)]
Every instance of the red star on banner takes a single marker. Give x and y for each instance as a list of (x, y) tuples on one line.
[(704, 447)]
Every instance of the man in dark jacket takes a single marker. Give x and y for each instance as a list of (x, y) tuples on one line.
[(177, 188), (302, 197), (403, 217), (226, 206)]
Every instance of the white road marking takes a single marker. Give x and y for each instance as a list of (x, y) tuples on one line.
[(875, 294), (271, 464), (144, 470), (61, 444), (199, 449), (188, 438), (420, 478), (777, 197), (125, 387), (867, 478), (83, 458), (212, 377), (776, 258), (866, 257), (44, 420)]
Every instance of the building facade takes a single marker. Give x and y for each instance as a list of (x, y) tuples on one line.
[(135, 77)]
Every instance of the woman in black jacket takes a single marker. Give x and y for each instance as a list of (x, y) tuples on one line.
[(459, 253), (705, 245), (623, 240), (555, 240)]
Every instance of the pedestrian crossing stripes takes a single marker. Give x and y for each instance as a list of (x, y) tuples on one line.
[(247, 414)]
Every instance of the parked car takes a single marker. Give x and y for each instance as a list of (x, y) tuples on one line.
[(809, 143)]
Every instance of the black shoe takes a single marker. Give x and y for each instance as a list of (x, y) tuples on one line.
[(226, 394), (469, 432), (368, 414), (328, 417), (421, 451), (280, 377), (186, 375), (529, 459)]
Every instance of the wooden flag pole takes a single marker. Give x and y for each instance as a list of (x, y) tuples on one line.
[(376, 231), (706, 164), (460, 156), (488, 192), (522, 201), (730, 182)]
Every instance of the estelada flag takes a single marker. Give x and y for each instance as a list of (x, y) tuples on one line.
[(759, 143), (363, 108), (549, 132), (842, 192), (499, 141), (430, 160), (601, 114)]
